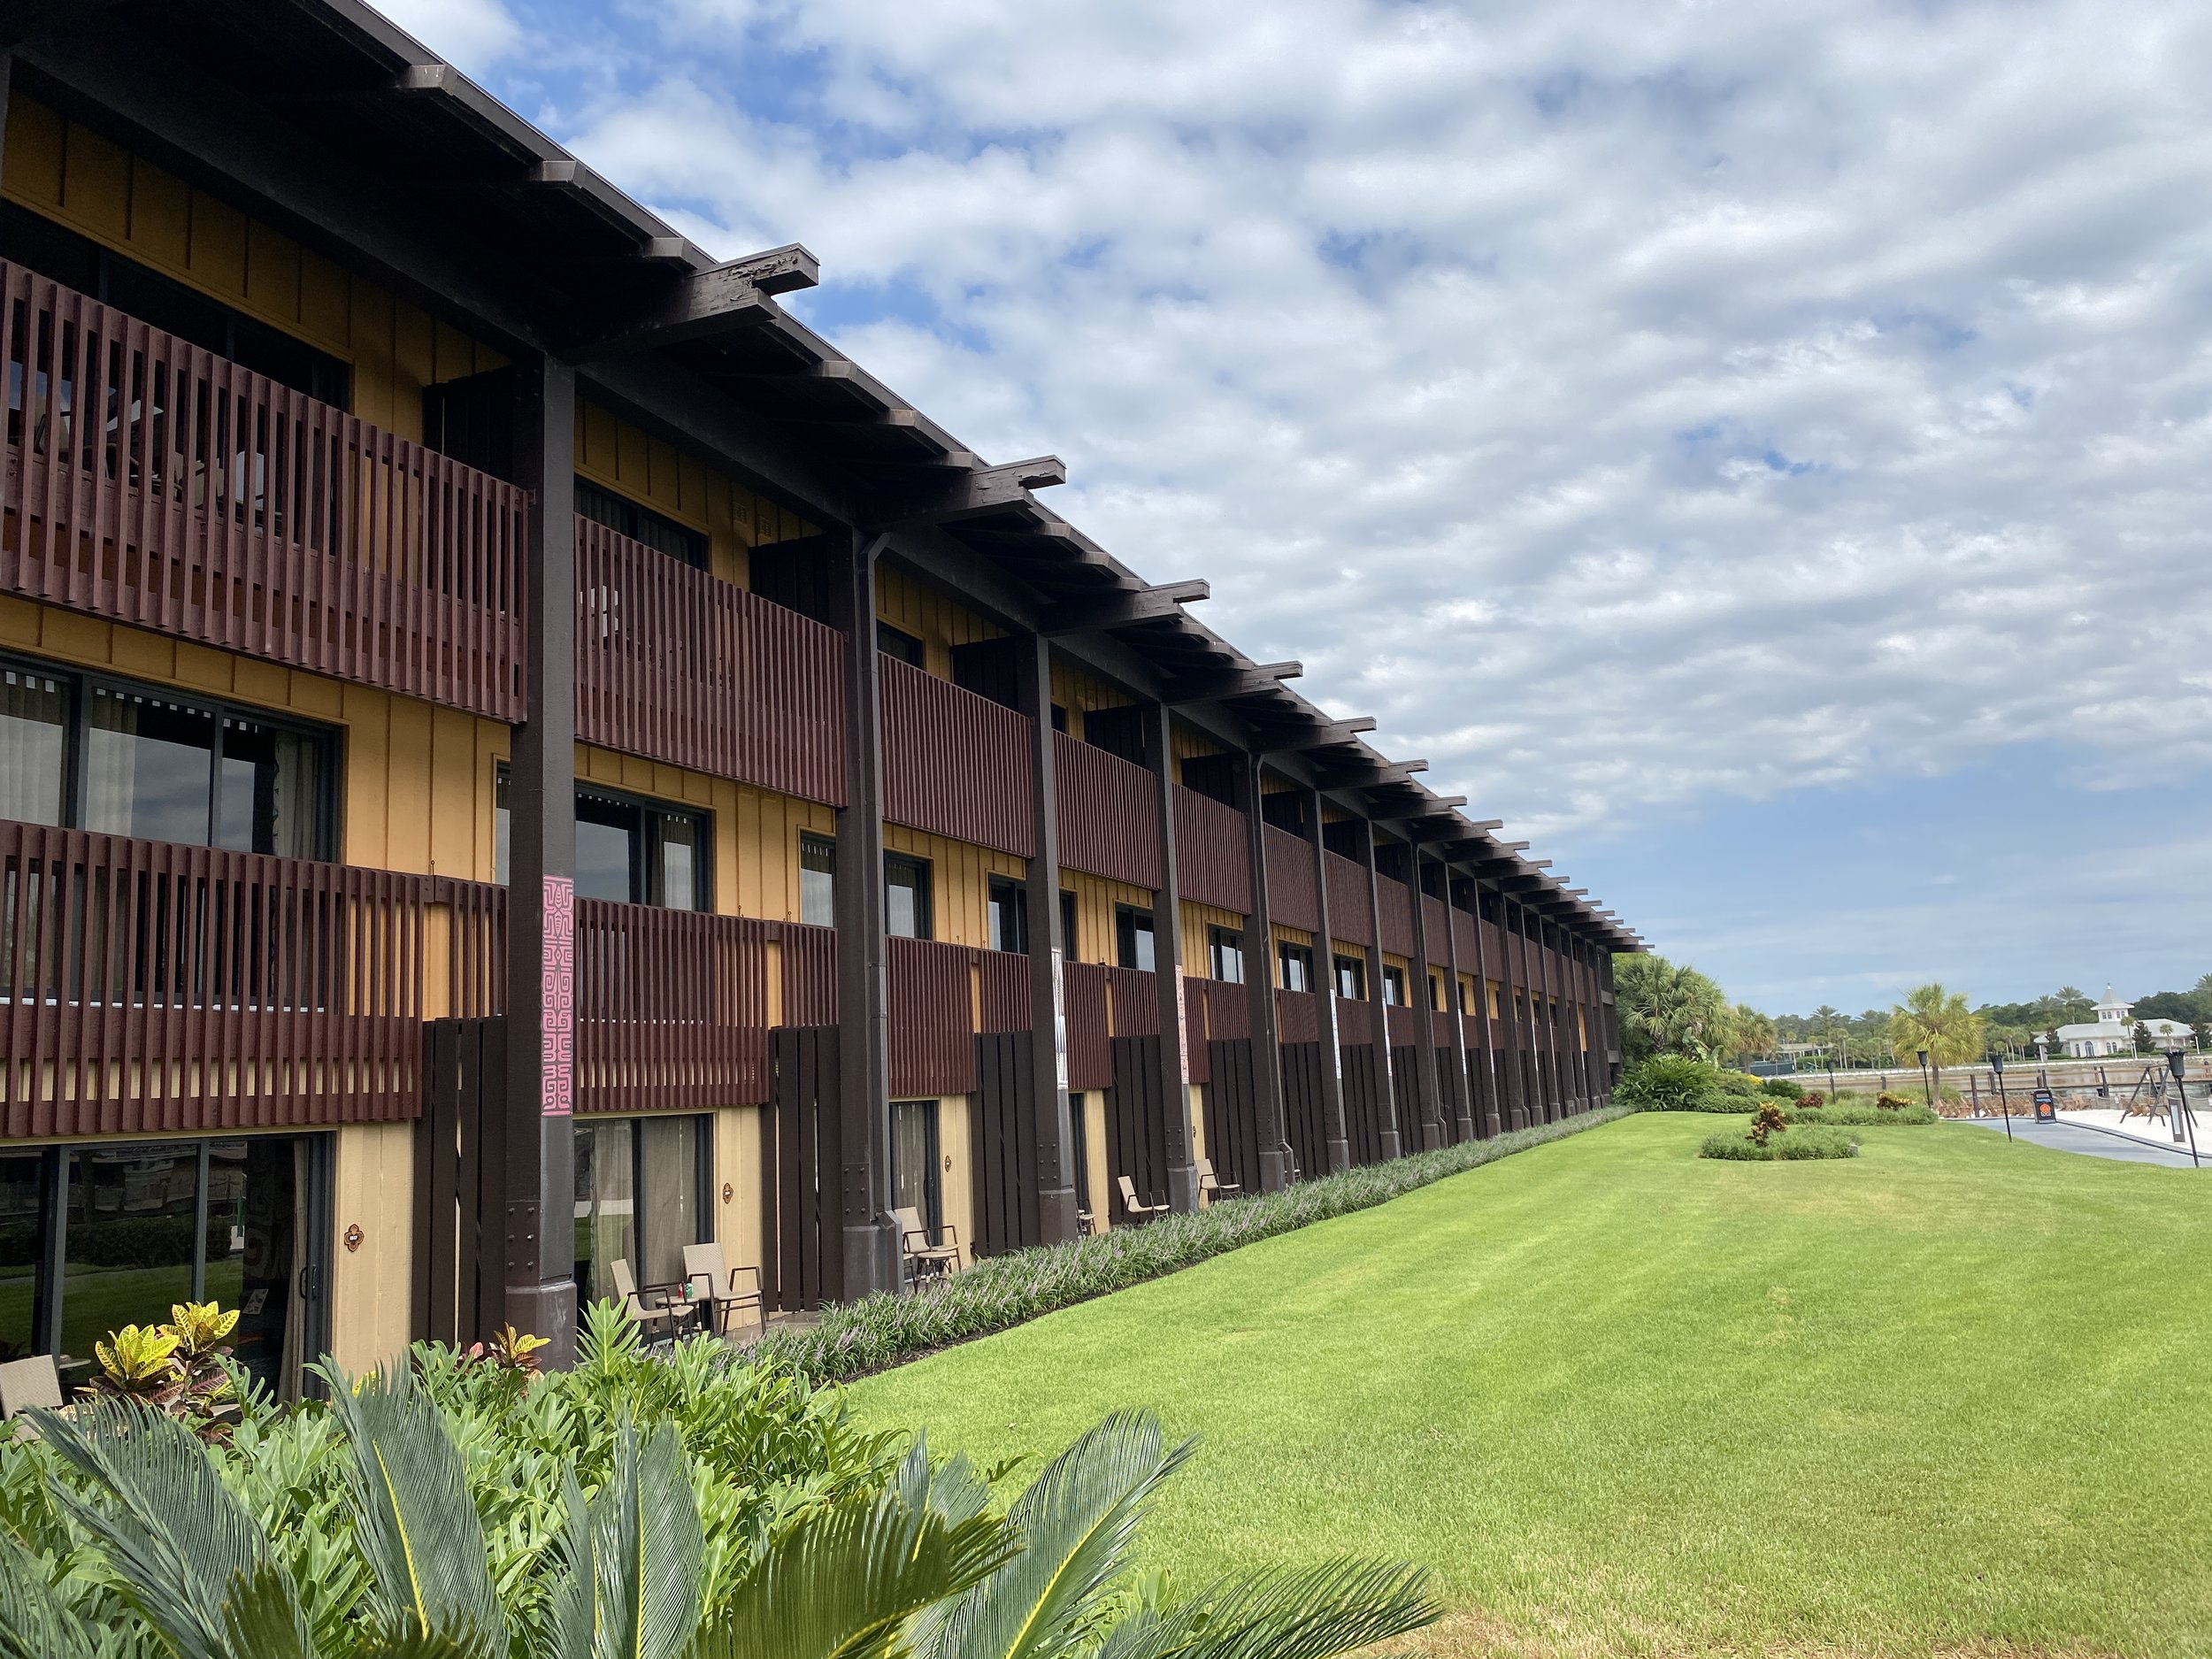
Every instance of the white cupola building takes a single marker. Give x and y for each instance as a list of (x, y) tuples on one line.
[(2113, 1032)]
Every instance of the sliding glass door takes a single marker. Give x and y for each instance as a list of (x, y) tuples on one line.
[(641, 1197)]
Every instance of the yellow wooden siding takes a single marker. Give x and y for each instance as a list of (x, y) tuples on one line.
[(959, 886), (374, 1189), (1187, 743), (1100, 1183), (618, 456), (931, 614), (1196, 919), (956, 1146), (738, 1175), (75, 176), (1076, 689)]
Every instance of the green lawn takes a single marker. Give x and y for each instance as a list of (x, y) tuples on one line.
[(1951, 1396)]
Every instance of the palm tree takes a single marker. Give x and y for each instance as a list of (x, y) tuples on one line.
[(925, 1567), (1668, 1009), (1939, 1021), (1753, 1031)]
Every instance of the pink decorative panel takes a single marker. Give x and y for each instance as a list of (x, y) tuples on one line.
[(557, 1082)]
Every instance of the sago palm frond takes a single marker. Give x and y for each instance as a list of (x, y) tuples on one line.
[(34, 1623), (1304, 1613), (953, 1489), (1077, 1521), (413, 1519), (573, 1603), (646, 1549), (181, 1544), (844, 1581)]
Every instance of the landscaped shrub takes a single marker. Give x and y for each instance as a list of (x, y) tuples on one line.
[(1813, 1098), (1861, 1116), (1740, 1083), (1765, 1122), (1796, 1144), (1666, 1083), (1782, 1088), (1890, 1102), (856, 1337)]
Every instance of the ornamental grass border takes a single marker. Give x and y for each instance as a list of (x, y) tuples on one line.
[(857, 1339)]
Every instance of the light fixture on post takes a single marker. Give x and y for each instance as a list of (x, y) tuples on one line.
[(2178, 1062), (1997, 1071), (1927, 1090)]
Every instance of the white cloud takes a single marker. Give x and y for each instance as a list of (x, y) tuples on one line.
[(1629, 404), (473, 35)]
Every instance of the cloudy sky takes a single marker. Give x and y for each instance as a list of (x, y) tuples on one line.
[(1762, 453)]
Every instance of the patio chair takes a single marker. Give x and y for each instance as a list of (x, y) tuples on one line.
[(1211, 1185), (1135, 1208), (28, 1382), (724, 1289), (661, 1311), (921, 1258)]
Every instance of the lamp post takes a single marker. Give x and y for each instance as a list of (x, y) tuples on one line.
[(2179, 1063), (1926, 1086), (1997, 1071)]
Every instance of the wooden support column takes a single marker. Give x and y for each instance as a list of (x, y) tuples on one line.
[(1057, 1201), (1544, 1095), (1433, 1108), (870, 1258), (1464, 1105), (1259, 984), (1494, 1111), (1167, 963), (1339, 1145), (1513, 996), (538, 1149), (1378, 1016), (1593, 1053)]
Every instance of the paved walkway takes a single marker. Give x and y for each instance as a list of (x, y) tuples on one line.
[(2093, 1142)]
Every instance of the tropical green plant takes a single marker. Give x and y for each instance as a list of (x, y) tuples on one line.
[(925, 1565), (1782, 1088), (1666, 1082), (1939, 1021), (1805, 1144), (1665, 1008), (1768, 1120)]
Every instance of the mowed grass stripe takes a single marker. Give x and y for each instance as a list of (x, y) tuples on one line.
[(1626, 1400)]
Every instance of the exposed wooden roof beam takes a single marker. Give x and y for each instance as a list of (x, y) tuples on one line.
[(1125, 608), (1251, 680), (716, 301), (986, 490), (1301, 739)]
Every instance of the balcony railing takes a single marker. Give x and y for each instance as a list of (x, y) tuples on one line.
[(147, 987), (148, 481), (954, 764), (1109, 813), (675, 664)]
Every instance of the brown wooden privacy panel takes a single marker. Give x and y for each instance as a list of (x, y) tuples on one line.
[(955, 764), (1136, 1002), (932, 1037), (1441, 1027), (1394, 902), (1464, 927), (674, 664), (151, 482), (1213, 864), (1110, 814), (1004, 980), (1090, 1060), (1297, 1017), (153, 986), (802, 1162), (1348, 916), (1218, 1009), (1290, 881), (1402, 1023)]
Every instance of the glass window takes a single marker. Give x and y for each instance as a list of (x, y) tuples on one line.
[(269, 799), (606, 1205), (1436, 993), (679, 862), (899, 643), (33, 746), (906, 896), (1133, 937), (1351, 977), (915, 1171), (1225, 954), (128, 1238), (1393, 987), (641, 1197), (256, 1220), (671, 1173), (1067, 927), (627, 851), (642, 524), (609, 847), (24, 1198), (1081, 1149), (1296, 963), (817, 880), (1010, 915), (148, 767)]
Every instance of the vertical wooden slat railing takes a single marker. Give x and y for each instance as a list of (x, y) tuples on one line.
[(676, 665), (1110, 814), (1395, 904), (1090, 1050), (929, 998), (1348, 916), (955, 764), (672, 1009), (147, 987), (1003, 979), (148, 481), (1290, 884)]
